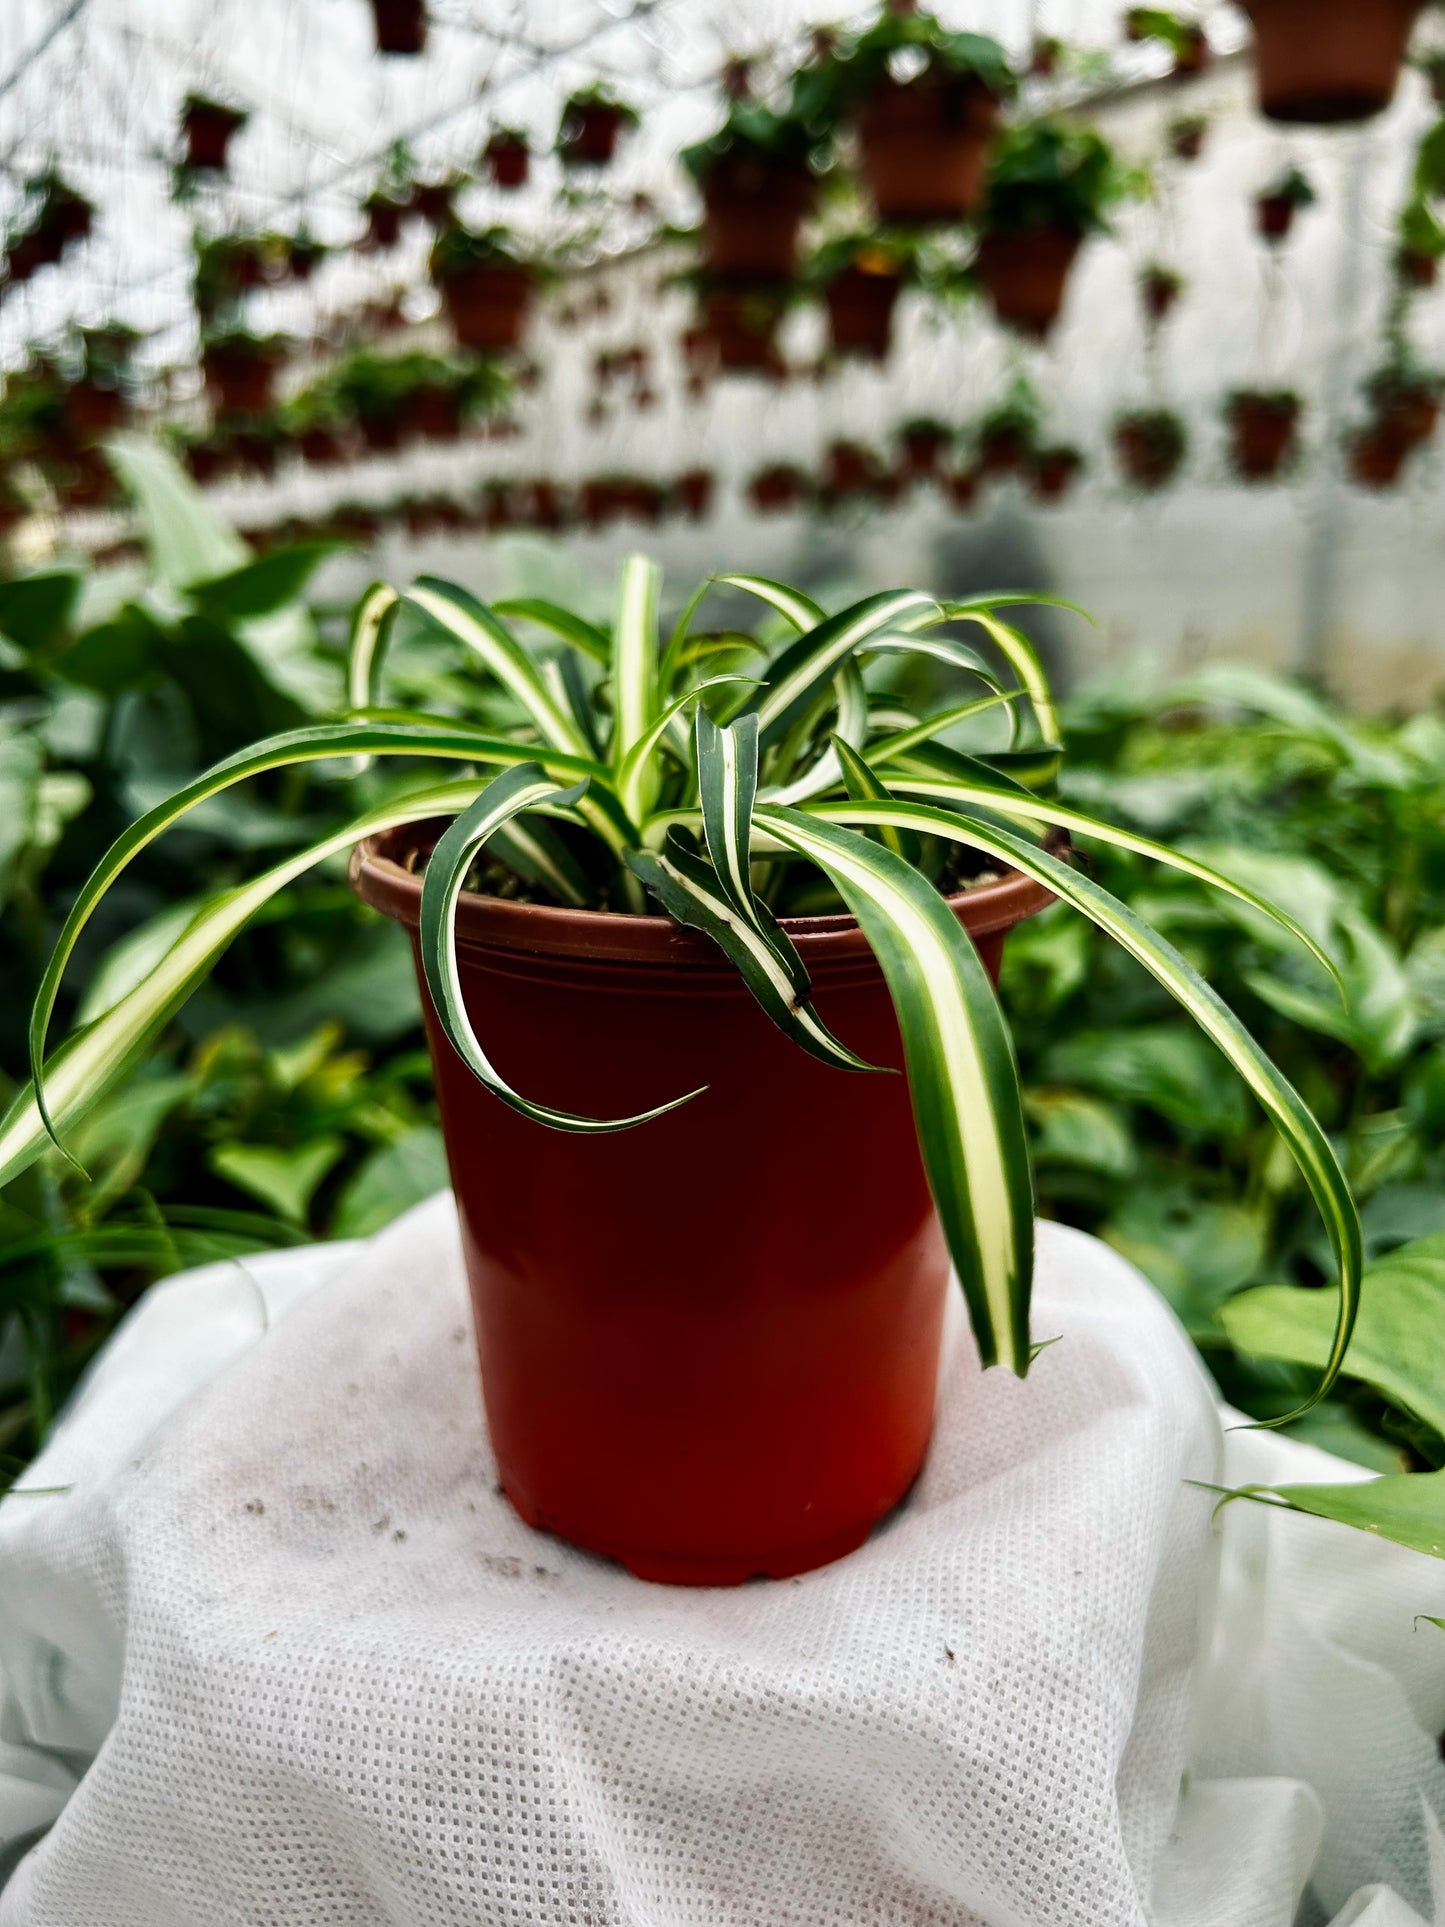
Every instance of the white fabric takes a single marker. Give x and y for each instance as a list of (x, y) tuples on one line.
[(281, 1653)]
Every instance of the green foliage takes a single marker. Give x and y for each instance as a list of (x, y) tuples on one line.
[(1055, 173), (758, 133), (843, 81)]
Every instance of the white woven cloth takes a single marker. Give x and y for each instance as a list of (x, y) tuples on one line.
[(281, 1654)]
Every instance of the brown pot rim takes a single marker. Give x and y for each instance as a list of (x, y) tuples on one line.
[(497, 928)]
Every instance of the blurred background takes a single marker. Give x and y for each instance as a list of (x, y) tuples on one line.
[(1134, 306)]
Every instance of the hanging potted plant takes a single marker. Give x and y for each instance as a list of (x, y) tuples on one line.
[(757, 182), (779, 487), (923, 139), (240, 369), (1159, 290), (964, 486), (1051, 185), (741, 324), (207, 127), (860, 278), (1263, 427), (1151, 444), (850, 468), (400, 26), (384, 210), (1007, 435), (372, 389), (1327, 61), (486, 287), (1404, 401), (694, 491), (1054, 471), (1276, 207), (1421, 244), (656, 923), (61, 219), (1432, 65), (304, 254), (508, 157), (1376, 457), (98, 401), (431, 201), (1185, 135), (592, 122), (924, 441)]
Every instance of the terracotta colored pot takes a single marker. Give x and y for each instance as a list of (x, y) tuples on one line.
[(1416, 268), (592, 133), (509, 162), (704, 1394), (695, 492), (435, 414), (1054, 473), (1262, 436), (1376, 458), (776, 489), (742, 326), (400, 26), (923, 147), (1003, 450), (488, 305), (1026, 276), (239, 380), (383, 224), (1159, 297), (847, 468), (1149, 459), (206, 464), (1326, 61), (963, 487), (753, 215), (208, 129), (1274, 216), (254, 454), (380, 433), (432, 201), (860, 312), (93, 410), (321, 447), (923, 447), (1408, 415), (1187, 143)]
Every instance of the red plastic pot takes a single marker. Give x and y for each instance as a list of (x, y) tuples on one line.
[(742, 326), (963, 487), (753, 215), (1274, 216), (488, 305), (1417, 268), (208, 128), (400, 26), (1377, 457), (1262, 435), (380, 433), (1187, 143), (923, 147), (1149, 456), (591, 134), (847, 468), (695, 492), (1054, 473), (509, 162), (432, 201), (435, 414), (1026, 276), (923, 447), (1003, 450), (774, 490), (94, 410), (1327, 61), (1159, 294), (383, 223), (321, 447), (860, 307), (239, 380), (706, 1389)]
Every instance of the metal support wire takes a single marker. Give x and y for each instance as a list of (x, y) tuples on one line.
[(52, 33)]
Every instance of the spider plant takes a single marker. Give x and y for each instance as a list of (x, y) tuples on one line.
[(722, 781)]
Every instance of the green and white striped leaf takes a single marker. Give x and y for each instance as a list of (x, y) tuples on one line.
[(673, 655), (967, 782), (566, 623), (792, 681), (516, 791), (634, 654), (1311, 1149), (314, 743), (852, 727), (371, 628), (864, 787), (791, 604), (538, 855), (962, 1073), (93, 1059), (1019, 653), (689, 889), (727, 787), (885, 748), (453, 612), (630, 788)]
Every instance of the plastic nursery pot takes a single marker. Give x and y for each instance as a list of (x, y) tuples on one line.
[(94, 410), (1149, 453), (400, 26), (1377, 457), (1026, 275), (775, 490), (1326, 61), (208, 128), (753, 214), (923, 147), (705, 1376), (963, 488), (592, 132), (239, 380), (1417, 268), (1262, 435), (435, 414), (742, 325), (1054, 473), (860, 312), (487, 304), (924, 444), (694, 490), (508, 162), (1274, 216)]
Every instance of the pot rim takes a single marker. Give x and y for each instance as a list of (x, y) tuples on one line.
[(493, 925)]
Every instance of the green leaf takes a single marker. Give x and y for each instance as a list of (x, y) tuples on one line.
[(800, 610), (807, 665), (538, 855), (593, 642), (405, 1172), (527, 787), (630, 786), (1174, 1071), (852, 727), (1019, 653), (689, 889), (1307, 1142), (188, 541), (261, 587), (453, 612), (727, 781), (961, 1071), (1396, 1343), (371, 625), (865, 787), (34, 609), (635, 656), (286, 1180), (1080, 1131), (1406, 1507), (456, 740), (91, 1061)]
